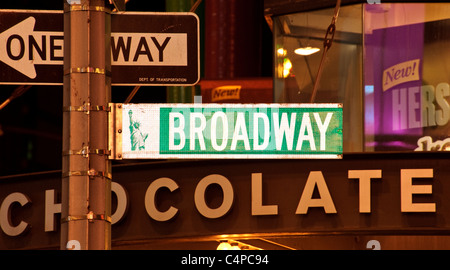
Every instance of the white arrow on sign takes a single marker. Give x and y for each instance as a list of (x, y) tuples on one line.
[(22, 48)]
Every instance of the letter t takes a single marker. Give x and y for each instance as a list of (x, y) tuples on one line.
[(364, 177)]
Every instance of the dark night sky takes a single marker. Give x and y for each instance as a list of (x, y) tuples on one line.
[(31, 125)]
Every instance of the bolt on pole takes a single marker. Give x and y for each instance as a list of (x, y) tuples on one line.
[(86, 169)]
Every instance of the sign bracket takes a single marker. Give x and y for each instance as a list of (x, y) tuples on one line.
[(89, 216), (85, 152), (115, 131), (91, 173), (86, 108)]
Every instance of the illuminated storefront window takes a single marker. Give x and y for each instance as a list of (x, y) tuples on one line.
[(406, 64), (388, 64)]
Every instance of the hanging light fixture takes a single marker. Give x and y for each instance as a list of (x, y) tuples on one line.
[(306, 50)]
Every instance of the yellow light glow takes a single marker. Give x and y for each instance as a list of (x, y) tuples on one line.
[(281, 52), (224, 245), (306, 50), (287, 66), (235, 246)]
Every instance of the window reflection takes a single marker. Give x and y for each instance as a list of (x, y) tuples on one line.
[(388, 65)]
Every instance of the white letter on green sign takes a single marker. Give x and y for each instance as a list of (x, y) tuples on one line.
[(173, 130)]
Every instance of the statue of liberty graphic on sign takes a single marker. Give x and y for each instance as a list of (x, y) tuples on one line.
[(136, 136)]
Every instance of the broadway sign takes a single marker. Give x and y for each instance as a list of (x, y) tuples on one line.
[(146, 48), (160, 131)]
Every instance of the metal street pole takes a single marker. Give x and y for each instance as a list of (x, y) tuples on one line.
[(86, 173)]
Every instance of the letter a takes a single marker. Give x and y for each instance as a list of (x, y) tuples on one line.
[(306, 200)]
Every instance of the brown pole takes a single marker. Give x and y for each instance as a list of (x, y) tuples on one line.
[(86, 173)]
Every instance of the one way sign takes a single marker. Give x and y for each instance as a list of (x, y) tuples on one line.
[(147, 48)]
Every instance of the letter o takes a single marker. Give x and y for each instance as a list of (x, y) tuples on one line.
[(224, 138), (228, 196), (21, 47), (150, 206)]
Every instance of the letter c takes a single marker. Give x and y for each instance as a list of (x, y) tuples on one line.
[(5, 214), (150, 195)]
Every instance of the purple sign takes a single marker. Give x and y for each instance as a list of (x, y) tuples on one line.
[(406, 81), (393, 78)]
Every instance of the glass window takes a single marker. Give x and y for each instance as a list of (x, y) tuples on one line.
[(341, 79), (389, 65), (406, 77)]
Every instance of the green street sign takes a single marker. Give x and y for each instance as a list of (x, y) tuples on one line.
[(210, 131)]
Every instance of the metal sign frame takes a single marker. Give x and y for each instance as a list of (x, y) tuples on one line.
[(285, 131)]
